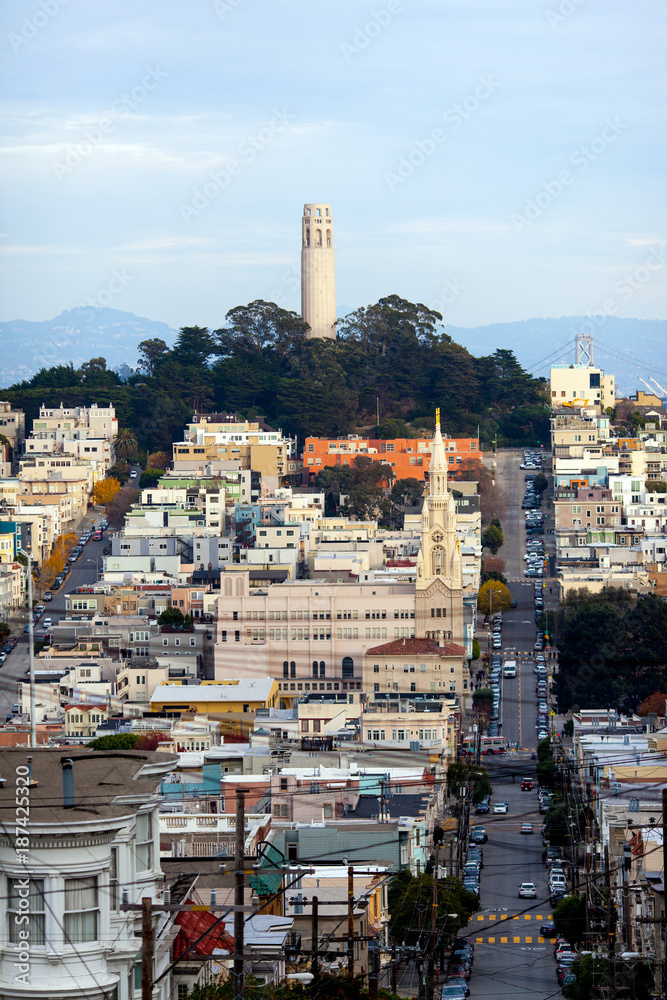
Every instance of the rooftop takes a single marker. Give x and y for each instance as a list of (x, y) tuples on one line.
[(416, 647), (258, 689)]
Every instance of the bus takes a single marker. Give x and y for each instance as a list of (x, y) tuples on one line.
[(489, 744)]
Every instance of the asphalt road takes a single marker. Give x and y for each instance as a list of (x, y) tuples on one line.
[(84, 571), (512, 959)]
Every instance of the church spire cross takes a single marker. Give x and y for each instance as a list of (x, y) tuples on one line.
[(438, 466)]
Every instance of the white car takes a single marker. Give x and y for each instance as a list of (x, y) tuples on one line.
[(47, 623), (500, 807), (133, 475), (527, 890)]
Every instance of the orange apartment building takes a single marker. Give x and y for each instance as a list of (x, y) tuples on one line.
[(408, 457)]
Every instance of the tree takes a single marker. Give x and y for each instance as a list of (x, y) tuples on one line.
[(120, 470), (171, 616), (5, 631), (158, 460), (653, 705), (125, 443), (151, 353), (591, 979), (475, 650), (410, 905), (151, 741), (115, 741), (117, 509), (500, 601), (493, 538), (540, 482), (462, 776), (569, 916), (556, 830), (407, 492), (105, 490), (150, 477)]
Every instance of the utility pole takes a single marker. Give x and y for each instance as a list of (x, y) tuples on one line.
[(314, 935), (350, 922), (393, 964), (610, 934), (147, 948), (239, 884), (430, 974)]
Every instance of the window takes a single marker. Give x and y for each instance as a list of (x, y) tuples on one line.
[(328, 811), (81, 910), (348, 667), (283, 784), (315, 669), (144, 842), (35, 925)]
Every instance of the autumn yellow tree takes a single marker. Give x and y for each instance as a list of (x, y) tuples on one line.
[(44, 576), (158, 460), (105, 491), (494, 596)]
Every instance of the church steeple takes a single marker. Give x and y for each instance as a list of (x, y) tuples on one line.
[(438, 464)]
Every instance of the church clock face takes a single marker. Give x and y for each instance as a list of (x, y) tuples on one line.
[(437, 536)]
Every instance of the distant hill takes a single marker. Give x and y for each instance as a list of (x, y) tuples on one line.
[(534, 340), (75, 336)]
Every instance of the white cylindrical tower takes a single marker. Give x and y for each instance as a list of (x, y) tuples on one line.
[(318, 277)]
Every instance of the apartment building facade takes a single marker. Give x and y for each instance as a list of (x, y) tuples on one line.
[(408, 457)]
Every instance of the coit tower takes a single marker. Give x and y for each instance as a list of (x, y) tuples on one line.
[(318, 280)]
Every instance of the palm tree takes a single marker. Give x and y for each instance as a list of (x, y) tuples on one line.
[(125, 443)]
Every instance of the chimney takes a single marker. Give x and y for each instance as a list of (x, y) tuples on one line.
[(441, 639), (69, 800), (404, 640)]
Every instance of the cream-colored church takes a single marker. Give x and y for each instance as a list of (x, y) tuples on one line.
[(312, 636)]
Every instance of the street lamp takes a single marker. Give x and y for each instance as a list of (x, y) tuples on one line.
[(97, 566), (31, 651)]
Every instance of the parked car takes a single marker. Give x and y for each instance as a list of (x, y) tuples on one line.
[(527, 890), (48, 596)]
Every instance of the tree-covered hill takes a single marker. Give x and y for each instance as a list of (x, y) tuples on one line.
[(393, 354)]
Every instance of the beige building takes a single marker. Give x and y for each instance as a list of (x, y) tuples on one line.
[(83, 720), (214, 438), (415, 666), (307, 634), (434, 730), (318, 270), (580, 386), (311, 635), (76, 423), (594, 508), (12, 426)]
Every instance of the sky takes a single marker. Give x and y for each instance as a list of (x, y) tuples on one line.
[(494, 159)]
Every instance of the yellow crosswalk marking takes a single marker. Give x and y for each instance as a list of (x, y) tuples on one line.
[(516, 940), (503, 916), (538, 916), (492, 940), (529, 940), (527, 916), (540, 940), (480, 917), (503, 940), (515, 918), (478, 940)]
